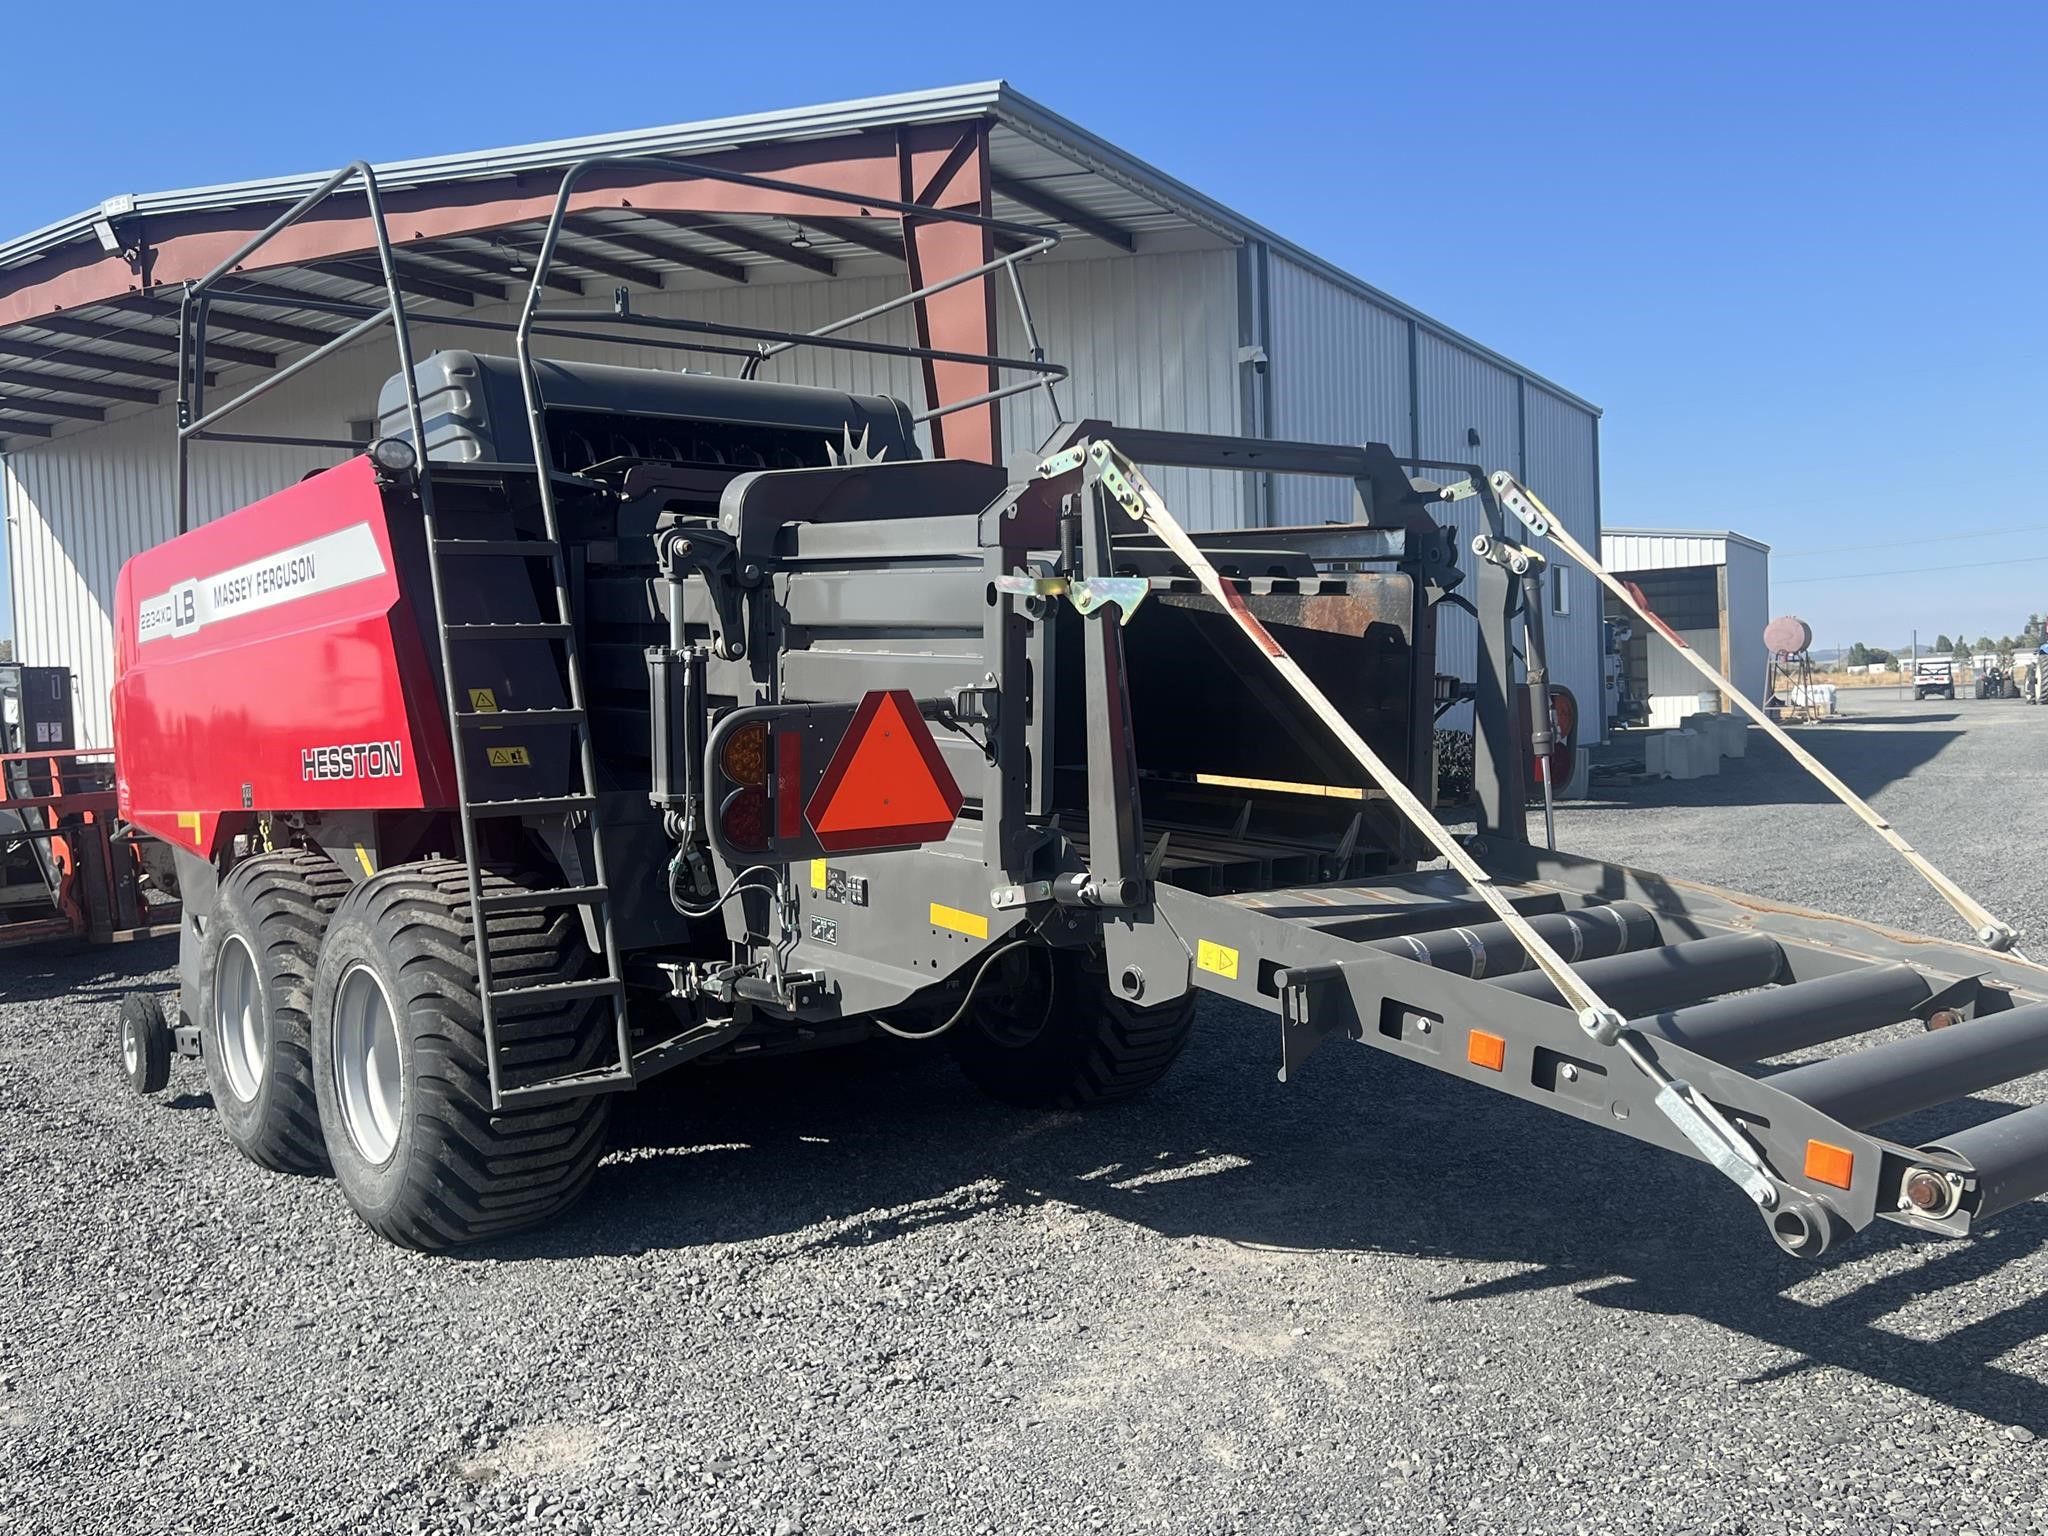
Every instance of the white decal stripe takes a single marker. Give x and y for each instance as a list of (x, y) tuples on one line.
[(334, 560)]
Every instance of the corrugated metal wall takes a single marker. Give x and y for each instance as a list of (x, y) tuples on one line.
[(1562, 465), (1341, 372), (1749, 610), (1151, 340)]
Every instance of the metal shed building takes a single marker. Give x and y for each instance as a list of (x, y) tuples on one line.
[(1715, 590), (1172, 311)]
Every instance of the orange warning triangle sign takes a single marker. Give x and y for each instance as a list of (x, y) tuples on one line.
[(886, 784)]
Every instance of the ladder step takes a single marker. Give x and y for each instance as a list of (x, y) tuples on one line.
[(543, 805), (487, 717), (575, 1086), (536, 901), (531, 549), (599, 986), (511, 631)]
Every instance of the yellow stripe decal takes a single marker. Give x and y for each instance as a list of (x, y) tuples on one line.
[(188, 822), (1220, 959), (973, 924), (1282, 786), (817, 874), (363, 858)]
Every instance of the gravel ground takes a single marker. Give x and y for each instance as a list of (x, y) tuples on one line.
[(849, 1295)]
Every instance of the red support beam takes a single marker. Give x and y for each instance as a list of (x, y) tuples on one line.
[(948, 167), (185, 246)]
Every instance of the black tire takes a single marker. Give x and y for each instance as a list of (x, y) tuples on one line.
[(276, 905), (145, 1044), (1051, 1034), (452, 1172)]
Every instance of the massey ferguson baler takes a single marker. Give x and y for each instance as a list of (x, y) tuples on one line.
[(599, 720)]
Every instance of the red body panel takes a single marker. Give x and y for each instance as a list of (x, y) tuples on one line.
[(275, 649)]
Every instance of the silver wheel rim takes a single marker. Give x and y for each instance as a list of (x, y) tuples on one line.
[(366, 1068), (237, 1018), (131, 1049)]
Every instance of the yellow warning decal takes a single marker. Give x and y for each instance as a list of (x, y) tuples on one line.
[(508, 757), (484, 700), (363, 858), (817, 874), (188, 821), (1220, 959), (973, 924)]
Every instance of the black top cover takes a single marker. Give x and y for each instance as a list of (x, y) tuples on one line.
[(475, 411)]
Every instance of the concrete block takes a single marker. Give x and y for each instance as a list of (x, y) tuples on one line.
[(1681, 755), (1729, 734)]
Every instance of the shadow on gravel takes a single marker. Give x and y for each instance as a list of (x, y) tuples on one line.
[(77, 973), (1364, 1153), (1867, 761)]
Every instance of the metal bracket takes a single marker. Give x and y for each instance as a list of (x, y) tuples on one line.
[(1516, 558), (1087, 594), (1719, 1142), (1007, 898), (1063, 463), (1516, 503), (1108, 464)]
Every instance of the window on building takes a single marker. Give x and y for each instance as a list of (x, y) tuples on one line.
[(1560, 590)]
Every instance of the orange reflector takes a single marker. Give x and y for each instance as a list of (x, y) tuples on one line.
[(886, 784), (1484, 1050), (744, 757), (1827, 1164)]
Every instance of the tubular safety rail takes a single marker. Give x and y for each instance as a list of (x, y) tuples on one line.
[(198, 423)]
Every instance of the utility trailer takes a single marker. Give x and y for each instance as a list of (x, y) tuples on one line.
[(599, 721)]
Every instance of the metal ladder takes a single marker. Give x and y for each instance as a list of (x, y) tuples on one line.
[(558, 630)]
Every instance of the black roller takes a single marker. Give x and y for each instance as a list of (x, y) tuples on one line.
[(1670, 977), (2010, 1155), (1791, 1018), (1490, 949), (1869, 1087)]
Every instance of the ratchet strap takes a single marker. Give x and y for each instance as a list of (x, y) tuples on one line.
[(1518, 500), (1692, 1113)]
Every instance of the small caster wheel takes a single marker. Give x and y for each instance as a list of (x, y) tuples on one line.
[(145, 1043)]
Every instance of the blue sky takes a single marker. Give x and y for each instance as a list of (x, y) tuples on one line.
[(1795, 251)]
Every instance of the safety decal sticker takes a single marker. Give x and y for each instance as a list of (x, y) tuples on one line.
[(973, 924), (1217, 959), (484, 700), (508, 757), (334, 560)]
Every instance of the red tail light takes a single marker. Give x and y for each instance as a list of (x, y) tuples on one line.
[(743, 819)]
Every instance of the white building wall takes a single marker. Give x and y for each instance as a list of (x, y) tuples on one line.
[(1561, 464), (1151, 340), (1339, 368), (1749, 610), (1341, 374)]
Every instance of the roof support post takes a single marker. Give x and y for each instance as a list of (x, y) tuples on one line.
[(948, 167)]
